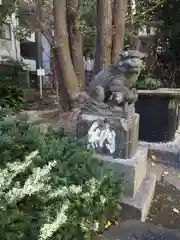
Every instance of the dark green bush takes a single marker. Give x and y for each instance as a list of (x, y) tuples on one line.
[(148, 84), (51, 187), (11, 86)]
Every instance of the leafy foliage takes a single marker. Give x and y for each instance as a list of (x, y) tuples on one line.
[(145, 13), (11, 94), (6, 9), (51, 187), (87, 13), (148, 84), (169, 16)]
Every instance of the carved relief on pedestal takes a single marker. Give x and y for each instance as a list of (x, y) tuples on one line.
[(101, 135)]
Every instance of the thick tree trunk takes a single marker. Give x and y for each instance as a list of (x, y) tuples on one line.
[(61, 90), (62, 50), (119, 15), (104, 35), (75, 39)]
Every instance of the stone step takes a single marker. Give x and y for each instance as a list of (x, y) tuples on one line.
[(138, 207), (166, 153), (37, 115), (166, 157)]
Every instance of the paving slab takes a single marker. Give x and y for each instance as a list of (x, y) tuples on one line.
[(166, 173), (173, 177), (157, 169), (136, 230), (167, 153)]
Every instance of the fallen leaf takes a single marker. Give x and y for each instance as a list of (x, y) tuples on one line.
[(108, 224), (175, 210), (153, 157), (178, 176), (169, 198)]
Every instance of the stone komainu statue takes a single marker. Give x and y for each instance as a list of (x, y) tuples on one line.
[(115, 85)]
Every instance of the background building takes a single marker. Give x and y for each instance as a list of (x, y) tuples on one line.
[(35, 51)]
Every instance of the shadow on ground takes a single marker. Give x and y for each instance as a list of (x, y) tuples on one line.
[(136, 230), (164, 215)]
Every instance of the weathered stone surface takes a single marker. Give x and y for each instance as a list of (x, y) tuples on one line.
[(30, 115), (133, 170), (167, 153), (33, 115), (161, 92), (122, 134), (138, 207), (114, 85), (29, 94)]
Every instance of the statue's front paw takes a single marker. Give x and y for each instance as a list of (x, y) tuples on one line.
[(117, 97)]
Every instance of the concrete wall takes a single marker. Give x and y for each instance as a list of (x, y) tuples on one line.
[(30, 50), (10, 47)]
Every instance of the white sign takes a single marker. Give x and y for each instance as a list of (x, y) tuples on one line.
[(40, 72), (99, 137)]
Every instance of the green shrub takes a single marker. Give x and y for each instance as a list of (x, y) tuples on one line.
[(148, 84), (51, 187), (11, 86)]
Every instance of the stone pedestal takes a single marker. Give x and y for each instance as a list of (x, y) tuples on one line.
[(115, 141), (122, 134), (139, 185)]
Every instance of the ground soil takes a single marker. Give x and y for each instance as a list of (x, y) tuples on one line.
[(48, 101), (165, 207)]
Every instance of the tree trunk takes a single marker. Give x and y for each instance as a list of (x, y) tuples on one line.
[(75, 39), (62, 50), (61, 90), (119, 15), (104, 35)]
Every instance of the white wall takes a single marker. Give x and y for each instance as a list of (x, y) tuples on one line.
[(10, 48), (30, 64)]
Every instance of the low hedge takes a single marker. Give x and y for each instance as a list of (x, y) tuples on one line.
[(11, 84), (51, 186)]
